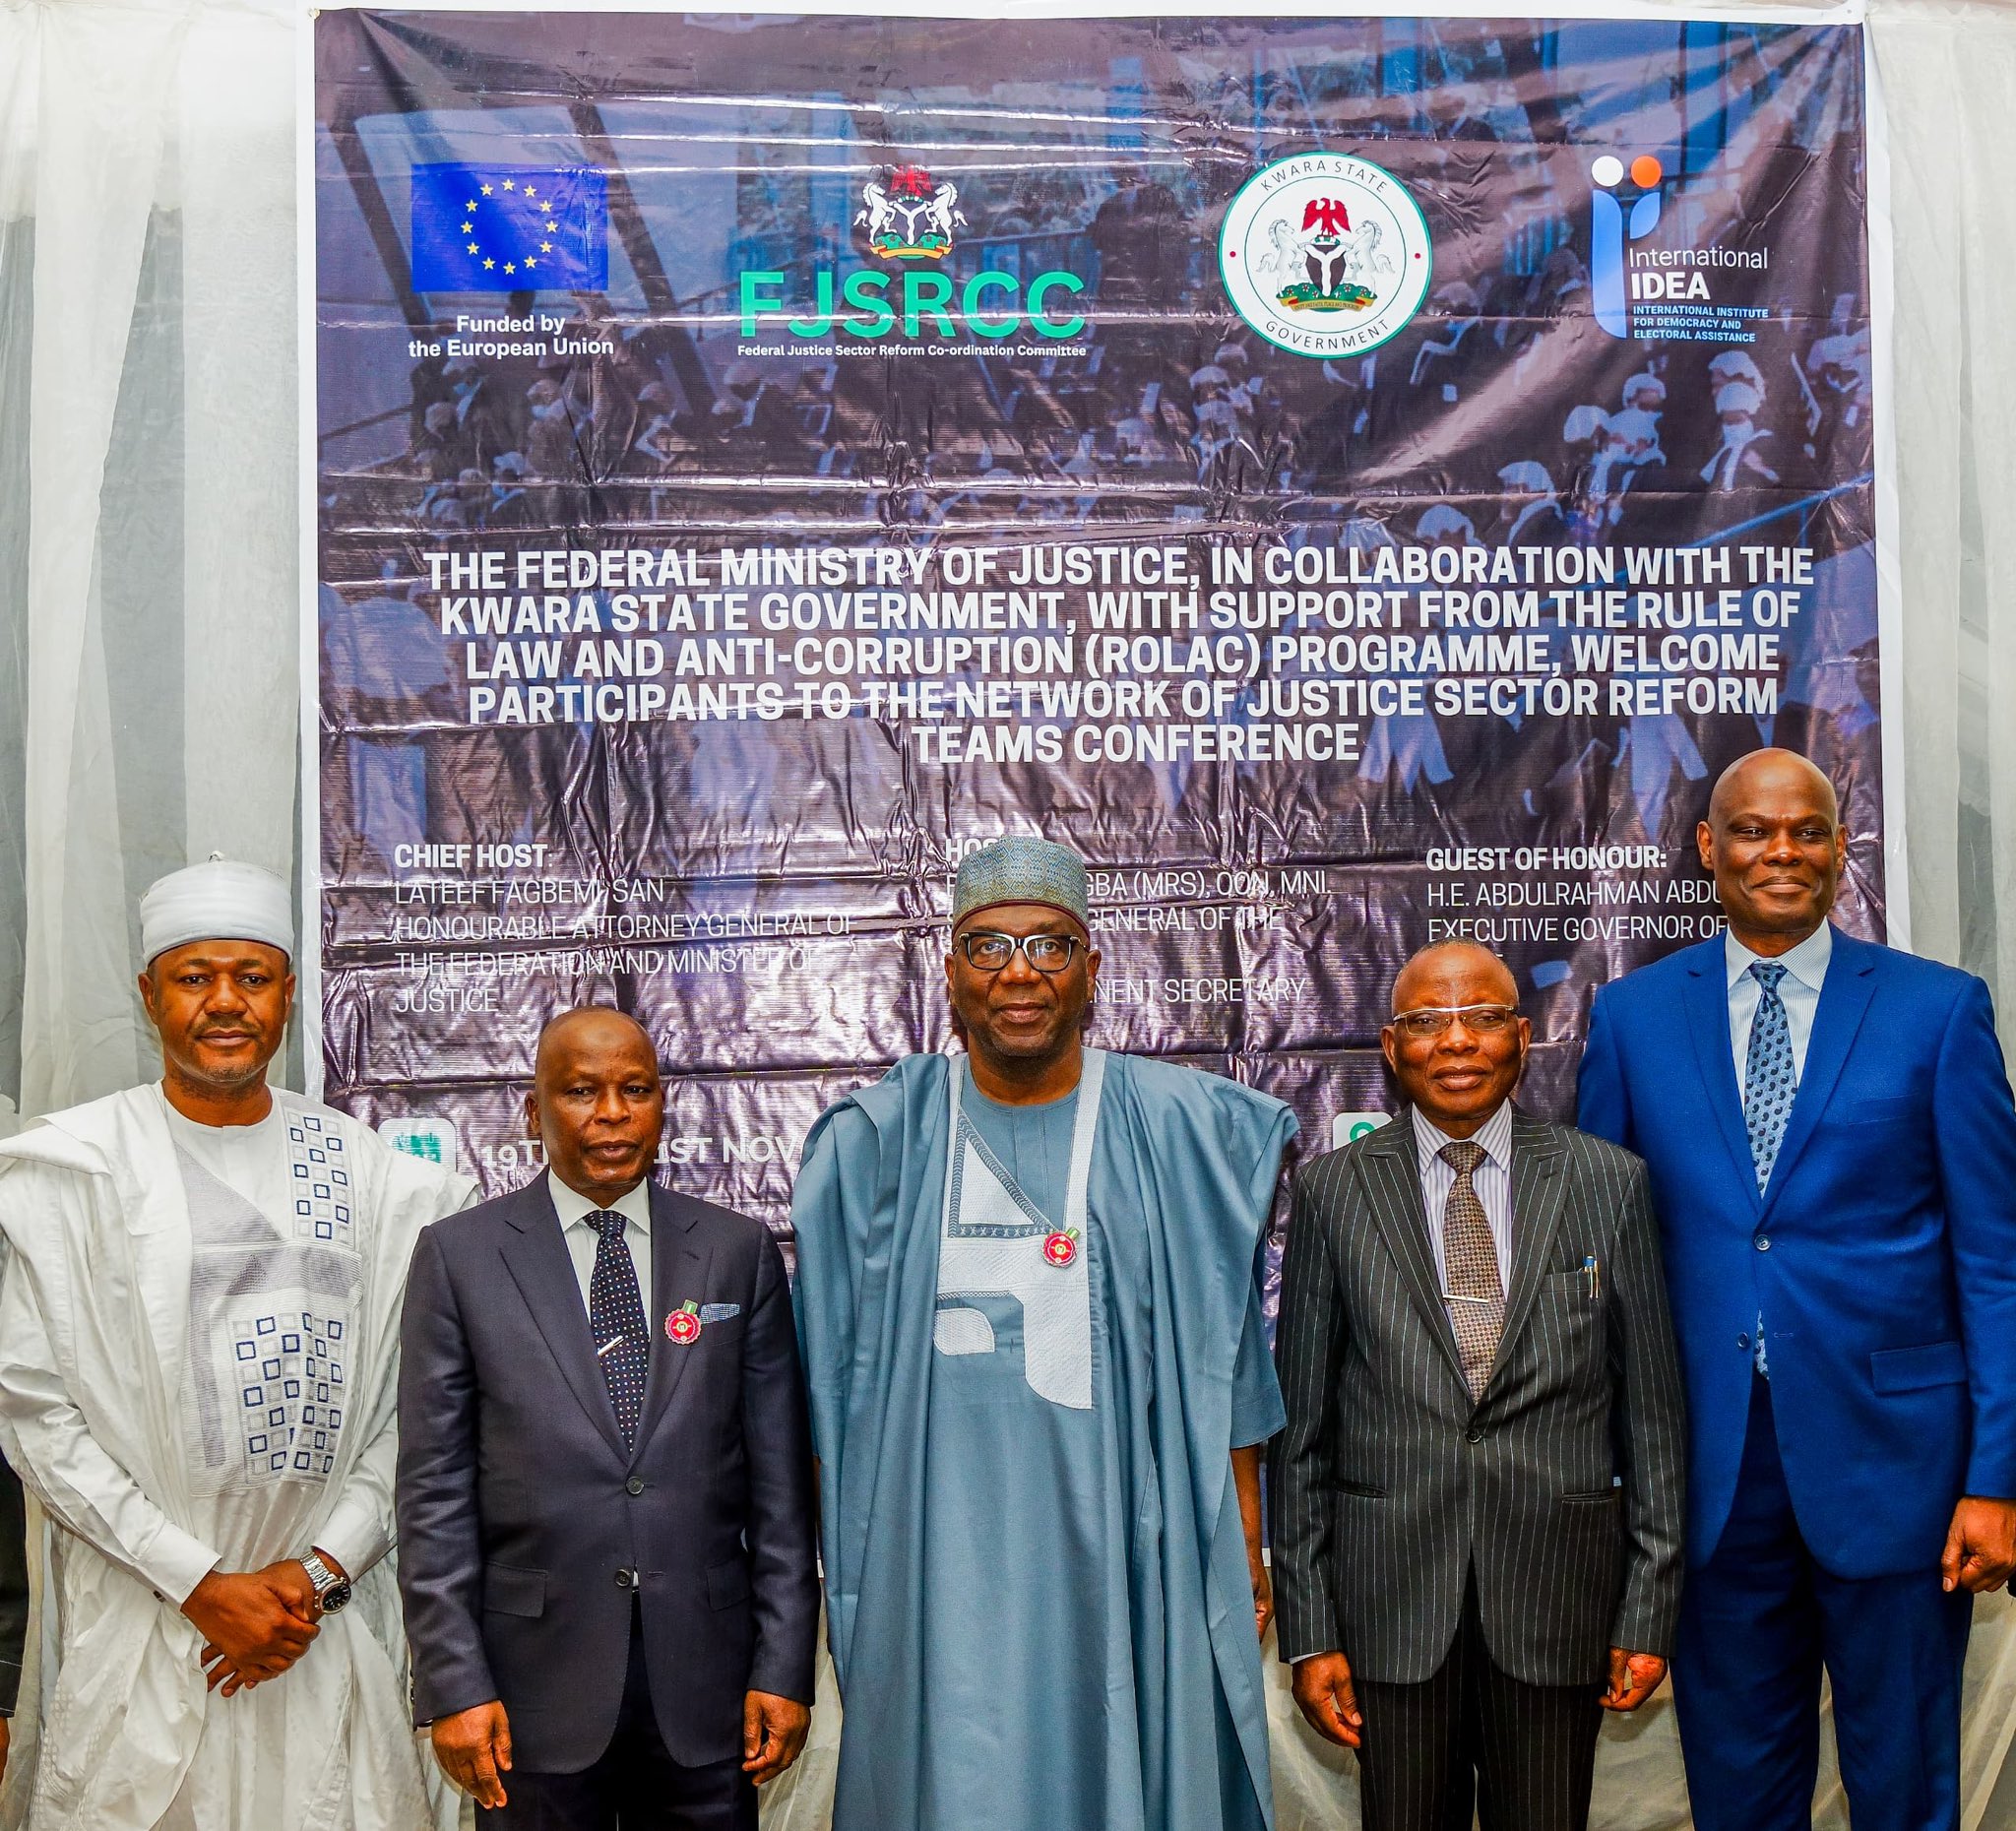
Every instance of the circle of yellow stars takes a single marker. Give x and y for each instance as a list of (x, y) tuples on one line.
[(531, 195)]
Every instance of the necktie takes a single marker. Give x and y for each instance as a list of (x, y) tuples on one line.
[(1477, 1296), (615, 1315), (1770, 1079)]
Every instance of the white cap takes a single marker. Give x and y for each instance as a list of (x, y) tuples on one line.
[(1441, 519), (1635, 427), (1527, 474), (1736, 398), (1584, 423), (220, 900)]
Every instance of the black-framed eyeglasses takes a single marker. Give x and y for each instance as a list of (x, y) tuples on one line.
[(1433, 1020), (990, 952)]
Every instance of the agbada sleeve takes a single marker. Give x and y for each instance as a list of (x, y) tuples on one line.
[(46, 1438), (360, 1529), (836, 1183)]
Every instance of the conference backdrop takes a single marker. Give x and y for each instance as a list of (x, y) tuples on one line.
[(1356, 481)]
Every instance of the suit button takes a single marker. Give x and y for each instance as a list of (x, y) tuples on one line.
[(626, 1579), (634, 1485), (1742, 1340), (1763, 1242), (1472, 1436)]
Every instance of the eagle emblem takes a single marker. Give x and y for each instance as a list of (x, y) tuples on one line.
[(911, 216)]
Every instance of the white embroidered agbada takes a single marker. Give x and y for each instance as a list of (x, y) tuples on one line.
[(188, 1378)]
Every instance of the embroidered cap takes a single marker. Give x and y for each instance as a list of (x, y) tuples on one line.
[(1021, 869), (220, 900)]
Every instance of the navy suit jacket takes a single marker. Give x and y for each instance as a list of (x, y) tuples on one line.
[(1883, 1254), (526, 1528)]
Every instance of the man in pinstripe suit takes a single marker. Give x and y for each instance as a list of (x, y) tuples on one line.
[(1478, 1494)]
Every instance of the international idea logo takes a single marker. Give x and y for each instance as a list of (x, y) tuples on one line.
[(911, 216), (1325, 254)]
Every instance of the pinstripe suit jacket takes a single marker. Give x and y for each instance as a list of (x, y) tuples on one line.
[(1563, 1485)]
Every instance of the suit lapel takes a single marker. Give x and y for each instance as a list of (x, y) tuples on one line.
[(678, 1272), (1393, 1184), (1707, 1000), (1537, 1189), (1845, 997), (536, 1255)]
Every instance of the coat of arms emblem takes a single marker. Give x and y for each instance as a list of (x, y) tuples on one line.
[(912, 216), (1325, 254)]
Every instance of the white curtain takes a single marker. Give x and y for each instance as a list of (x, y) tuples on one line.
[(149, 570)]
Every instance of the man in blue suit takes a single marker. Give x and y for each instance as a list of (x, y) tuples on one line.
[(1833, 1157)]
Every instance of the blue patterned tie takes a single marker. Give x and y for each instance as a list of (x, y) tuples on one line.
[(1771, 1079), (615, 1315)]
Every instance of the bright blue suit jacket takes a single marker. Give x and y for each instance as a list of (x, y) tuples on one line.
[(1883, 1254)]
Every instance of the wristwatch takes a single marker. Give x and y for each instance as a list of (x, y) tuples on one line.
[(331, 1592)]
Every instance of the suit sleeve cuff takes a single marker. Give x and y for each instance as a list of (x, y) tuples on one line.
[(175, 1563), (793, 1680), (448, 1696), (1644, 1630), (1990, 1478)]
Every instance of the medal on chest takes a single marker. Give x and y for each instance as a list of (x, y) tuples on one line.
[(683, 1324), (1061, 1246)]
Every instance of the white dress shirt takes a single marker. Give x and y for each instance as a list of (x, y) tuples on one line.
[(1491, 1179), (634, 1205), (1805, 970)]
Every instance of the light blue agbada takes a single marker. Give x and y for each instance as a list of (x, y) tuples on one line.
[(1039, 1602)]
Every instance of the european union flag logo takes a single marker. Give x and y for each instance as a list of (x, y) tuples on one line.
[(510, 228)]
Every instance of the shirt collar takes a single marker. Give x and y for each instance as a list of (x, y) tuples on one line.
[(1495, 1135), (573, 1207), (1806, 962)]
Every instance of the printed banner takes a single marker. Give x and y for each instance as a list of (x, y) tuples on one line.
[(1356, 480)]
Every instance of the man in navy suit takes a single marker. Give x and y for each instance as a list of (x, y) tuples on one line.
[(1833, 1157), (605, 1529)]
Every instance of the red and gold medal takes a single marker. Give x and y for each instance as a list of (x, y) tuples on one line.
[(1061, 1246), (683, 1324)]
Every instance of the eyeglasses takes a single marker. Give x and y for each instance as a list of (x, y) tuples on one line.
[(1433, 1020), (988, 952)]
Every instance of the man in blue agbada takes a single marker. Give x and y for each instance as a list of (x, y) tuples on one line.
[(1039, 1389)]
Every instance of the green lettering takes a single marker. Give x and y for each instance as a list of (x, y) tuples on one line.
[(867, 290), (1043, 282), (970, 302), (819, 326), (926, 296), (752, 303)]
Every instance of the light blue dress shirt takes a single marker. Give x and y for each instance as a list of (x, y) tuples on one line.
[(1805, 970), (1491, 1179)]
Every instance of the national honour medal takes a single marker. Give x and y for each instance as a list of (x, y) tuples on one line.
[(683, 1324), (1061, 1246)]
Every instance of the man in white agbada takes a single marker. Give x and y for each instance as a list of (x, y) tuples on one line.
[(198, 1336)]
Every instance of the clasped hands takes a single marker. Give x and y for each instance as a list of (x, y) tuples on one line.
[(255, 1623), (474, 1745), (1328, 1698)]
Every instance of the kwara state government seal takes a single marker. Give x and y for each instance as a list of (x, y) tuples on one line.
[(1325, 254)]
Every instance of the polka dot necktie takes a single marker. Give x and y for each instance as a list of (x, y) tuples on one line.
[(1770, 1078), (615, 1314), (1477, 1296)]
